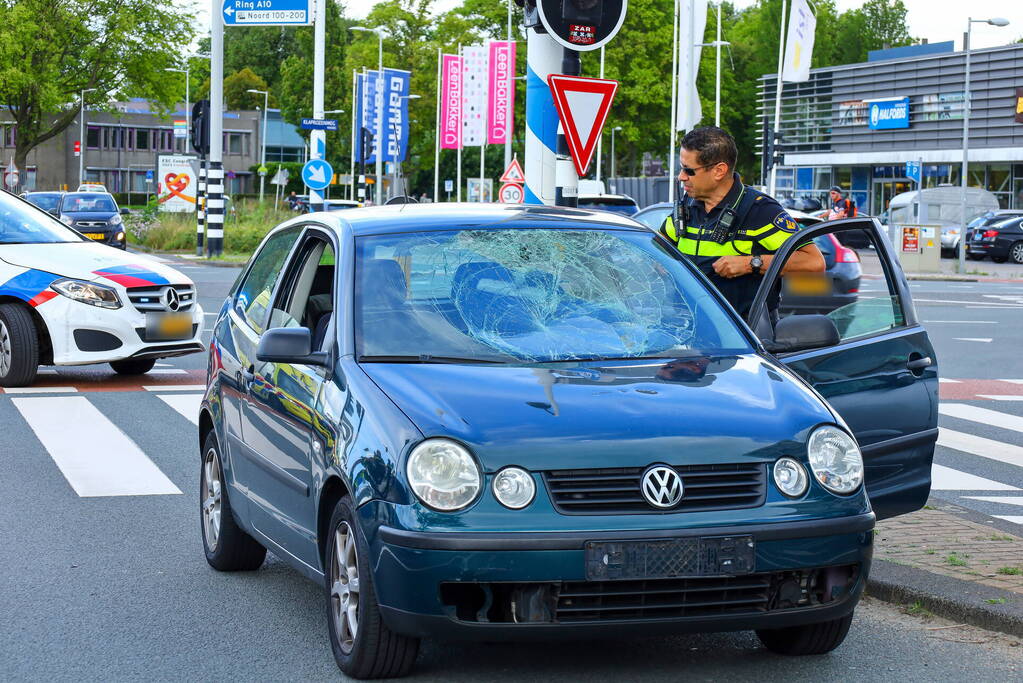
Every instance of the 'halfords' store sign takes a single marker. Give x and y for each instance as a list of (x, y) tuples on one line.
[(889, 113)]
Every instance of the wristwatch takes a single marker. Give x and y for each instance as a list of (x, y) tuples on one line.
[(755, 264)]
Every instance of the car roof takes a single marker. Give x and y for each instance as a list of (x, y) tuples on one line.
[(399, 218), (34, 192), (798, 215)]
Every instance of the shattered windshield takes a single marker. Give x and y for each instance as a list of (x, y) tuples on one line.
[(531, 295)]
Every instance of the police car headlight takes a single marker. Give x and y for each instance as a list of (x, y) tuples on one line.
[(116, 220), (790, 477), (87, 292), (835, 459), (67, 220), (443, 475), (514, 488)]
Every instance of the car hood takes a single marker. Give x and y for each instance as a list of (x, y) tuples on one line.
[(90, 215), (621, 414), (92, 261)]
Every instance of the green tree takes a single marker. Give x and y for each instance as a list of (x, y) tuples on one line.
[(49, 51), (884, 23), (236, 90)]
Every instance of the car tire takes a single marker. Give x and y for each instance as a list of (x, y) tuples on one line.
[(1016, 252), (133, 366), (363, 645), (19, 346), (228, 548), (809, 639), (999, 259), (975, 257)]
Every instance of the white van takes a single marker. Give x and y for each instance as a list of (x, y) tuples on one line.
[(942, 205)]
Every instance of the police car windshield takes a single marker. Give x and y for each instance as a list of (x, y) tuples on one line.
[(20, 223), (532, 295), (74, 203)]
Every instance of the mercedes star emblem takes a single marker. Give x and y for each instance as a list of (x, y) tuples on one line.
[(171, 301)]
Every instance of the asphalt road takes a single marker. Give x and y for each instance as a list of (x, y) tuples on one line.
[(116, 587)]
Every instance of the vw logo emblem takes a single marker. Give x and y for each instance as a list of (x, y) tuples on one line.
[(662, 487), (171, 301)]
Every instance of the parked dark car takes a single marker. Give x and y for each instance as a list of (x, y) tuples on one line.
[(497, 422), (840, 285), (615, 203), (95, 215), (1001, 241), (47, 201)]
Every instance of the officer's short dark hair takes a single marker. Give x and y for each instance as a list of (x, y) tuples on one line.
[(712, 146)]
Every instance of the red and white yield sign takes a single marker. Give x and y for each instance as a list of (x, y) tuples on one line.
[(583, 105), (511, 194)]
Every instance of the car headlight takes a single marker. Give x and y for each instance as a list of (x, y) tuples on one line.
[(67, 220), (116, 220), (514, 488), (443, 475), (120, 237), (87, 292), (790, 477), (835, 459)]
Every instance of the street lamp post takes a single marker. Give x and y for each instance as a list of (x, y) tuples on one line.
[(188, 109), (718, 44), (613, 150), (262, 155), (994, 21), (331, 111), (81, 134), (394, 183), (378, 103)]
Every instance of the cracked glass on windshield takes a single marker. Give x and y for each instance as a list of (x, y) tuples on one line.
[(531, 295)]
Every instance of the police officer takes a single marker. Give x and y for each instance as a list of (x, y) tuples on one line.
[(729, 230)]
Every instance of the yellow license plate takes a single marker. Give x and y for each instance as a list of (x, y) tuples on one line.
[(169, 326), (95, 235), (808, 284)]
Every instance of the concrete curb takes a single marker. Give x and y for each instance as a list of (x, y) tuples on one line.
[(943, 278), (947, 597)]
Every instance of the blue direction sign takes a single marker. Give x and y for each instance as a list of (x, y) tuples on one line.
[(913, 170), (267, 13), (319, 124), (317, 174), (149, 176)]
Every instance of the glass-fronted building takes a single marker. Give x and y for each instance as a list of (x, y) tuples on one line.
[(857, 125)]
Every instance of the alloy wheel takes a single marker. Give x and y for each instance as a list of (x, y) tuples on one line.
[(1017, 252), (6, 355), (344, 587), (211, 498)]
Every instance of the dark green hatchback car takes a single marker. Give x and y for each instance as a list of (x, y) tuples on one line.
[(502, 422)]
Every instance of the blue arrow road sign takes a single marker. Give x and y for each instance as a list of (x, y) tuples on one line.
[(913, 170), (149, 176), (267, 13), (317, 174), (319, 124)]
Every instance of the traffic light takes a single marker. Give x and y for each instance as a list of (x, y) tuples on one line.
[(778, 156), (200, 133), (580, 25), (365, 144)]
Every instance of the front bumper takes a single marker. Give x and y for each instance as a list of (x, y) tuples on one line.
[(530, 585)]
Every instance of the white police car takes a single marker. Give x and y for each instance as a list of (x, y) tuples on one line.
[(66, 300)]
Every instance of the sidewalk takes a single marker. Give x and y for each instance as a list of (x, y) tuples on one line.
[(937, 560), (976, 271)]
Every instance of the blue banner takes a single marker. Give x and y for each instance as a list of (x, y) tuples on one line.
[(395, 105), (886, 114)]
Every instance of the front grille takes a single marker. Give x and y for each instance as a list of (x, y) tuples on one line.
[(90, 224), (617, 490), (149, 299), (569, 602)]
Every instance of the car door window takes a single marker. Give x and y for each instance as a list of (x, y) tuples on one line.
[(307, 297), (253, 297)]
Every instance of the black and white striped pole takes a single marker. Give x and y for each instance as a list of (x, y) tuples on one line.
[(215, 169), (200, 208), (566, 179)]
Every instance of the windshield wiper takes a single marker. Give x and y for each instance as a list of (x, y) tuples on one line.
[(424, 358)]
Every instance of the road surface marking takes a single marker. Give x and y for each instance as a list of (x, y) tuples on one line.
[(96, 457), (1012, 381), (982, 340), (167, 371), (993, 304), (38, 390), (978, 445), (1007, 500), (963, 322), (996, 397), (948, 479), (943, 380), (175, 387), (186, 404), (982, 415), (1015, 519)]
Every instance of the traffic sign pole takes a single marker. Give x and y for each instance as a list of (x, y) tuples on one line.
[(215, 171), (318, 138)]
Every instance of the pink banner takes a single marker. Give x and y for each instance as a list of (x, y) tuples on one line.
[(451, 102), (501, 105)]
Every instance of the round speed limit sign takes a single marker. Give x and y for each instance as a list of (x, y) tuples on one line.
[(511, 193)]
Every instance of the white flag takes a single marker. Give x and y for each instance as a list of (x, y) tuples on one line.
[(799, 44), (692, 24), (474, 95)]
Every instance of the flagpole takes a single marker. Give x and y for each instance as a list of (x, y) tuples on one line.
[(777, 95), (436, 146), (461, 127), (674, 103), (483, 140)]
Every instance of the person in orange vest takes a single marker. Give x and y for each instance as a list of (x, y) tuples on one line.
[(842, 207)]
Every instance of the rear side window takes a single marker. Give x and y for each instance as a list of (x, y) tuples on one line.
[(253, 297)]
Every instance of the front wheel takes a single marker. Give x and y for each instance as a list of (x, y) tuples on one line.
[(228, 548), (133, 366), (19, 346), (1016, 252), (809, 639), (363, 645)]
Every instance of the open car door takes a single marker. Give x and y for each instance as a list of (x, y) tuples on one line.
[(880, 372)]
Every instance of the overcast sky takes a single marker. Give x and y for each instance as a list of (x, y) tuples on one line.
[(936, 20)]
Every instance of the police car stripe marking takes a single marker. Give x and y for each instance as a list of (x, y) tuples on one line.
[(95, 457)]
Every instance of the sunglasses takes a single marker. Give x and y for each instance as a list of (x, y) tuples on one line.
[(692, 171)]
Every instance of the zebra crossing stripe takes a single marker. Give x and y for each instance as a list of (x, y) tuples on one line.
[(948, 479), (994, 418), (1006, 500), (978, 445), (95, 457), (186, 404), (1015, 519)]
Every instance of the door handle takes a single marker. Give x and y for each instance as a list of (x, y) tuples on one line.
[(920, 363), (248, 375)]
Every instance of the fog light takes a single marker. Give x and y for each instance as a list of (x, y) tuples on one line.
[(514, 488), (120, 237), (790, 477)]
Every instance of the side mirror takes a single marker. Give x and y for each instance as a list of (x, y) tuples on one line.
[(290, 345), (802, 332), (125, 211)]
